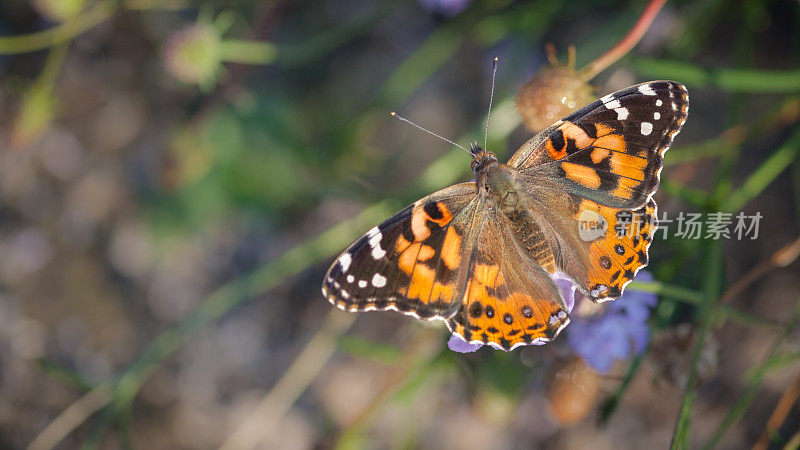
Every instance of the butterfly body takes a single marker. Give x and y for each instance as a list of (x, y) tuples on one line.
[(483, 255)]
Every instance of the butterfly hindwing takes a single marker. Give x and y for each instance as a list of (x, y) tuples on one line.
[(509, 300), (612, 259), (610, 151), (410, 262)]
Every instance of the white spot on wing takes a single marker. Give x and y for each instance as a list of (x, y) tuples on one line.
[(622, 113), (656, 115), (659, 102), (350, 278), (362, 283), (607, 98), (345, 295), (613, 104), (646, 90), (378, 280), (647, 128), (378, 252), (375, 237), (345, 261)]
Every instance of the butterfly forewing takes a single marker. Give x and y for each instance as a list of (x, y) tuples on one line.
[(409, 262), (610, 151)]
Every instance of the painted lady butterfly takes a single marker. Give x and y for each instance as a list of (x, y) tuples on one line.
[(480, 255)]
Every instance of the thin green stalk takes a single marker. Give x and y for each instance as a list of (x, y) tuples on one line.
[(10, 45), (611, 405), (733, 80), (247, 52), (766, 173), (668, 290), (686, 295), (682, 433)]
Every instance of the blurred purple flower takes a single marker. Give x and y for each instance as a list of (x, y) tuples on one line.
[(569, 291), (615, 333), (447, 8)]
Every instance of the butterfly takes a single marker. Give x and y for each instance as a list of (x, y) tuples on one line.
[(576, 199)]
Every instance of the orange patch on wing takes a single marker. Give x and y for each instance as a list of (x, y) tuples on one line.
[(625, 188), (553, 152), (598, 154), (418, 227), (488, 275), (446, 216), (612, 142), (415, 252), (603, 130), (421, 282), (451, 249), (402, 244), (442, 292), (585, 176), (572, 131), (628, 165)]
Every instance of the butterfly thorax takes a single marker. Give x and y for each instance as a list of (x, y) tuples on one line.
[(497, 184)]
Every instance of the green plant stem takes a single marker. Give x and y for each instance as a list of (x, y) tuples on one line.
[(766, 173), (10, 45), (669, 291), (680, 437), (733, 80), (247, 52)]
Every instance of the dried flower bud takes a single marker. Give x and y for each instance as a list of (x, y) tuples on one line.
[(192, 55), (58, 10), (551, 94), (573, 391)]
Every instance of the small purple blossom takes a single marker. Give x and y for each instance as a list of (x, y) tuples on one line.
[(615, 333), (447, 8)]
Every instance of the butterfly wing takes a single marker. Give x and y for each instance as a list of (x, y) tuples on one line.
[(611, 151), (409, 263), (601, 165), (509, 300)]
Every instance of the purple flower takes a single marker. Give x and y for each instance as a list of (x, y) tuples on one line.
[(447, 8), (569, 291), (615, 333)]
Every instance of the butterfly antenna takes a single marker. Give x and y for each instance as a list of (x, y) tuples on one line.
[(398, 116), (491, 98)]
